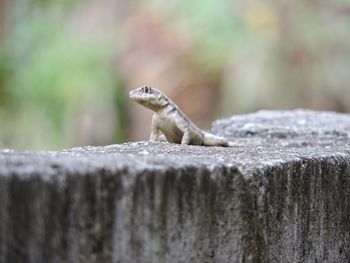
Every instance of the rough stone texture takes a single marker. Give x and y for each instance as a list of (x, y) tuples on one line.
[(281, 195)]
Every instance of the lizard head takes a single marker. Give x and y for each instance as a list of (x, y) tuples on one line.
[(149, 97)]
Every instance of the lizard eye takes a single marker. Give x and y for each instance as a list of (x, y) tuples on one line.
[(146, 89)]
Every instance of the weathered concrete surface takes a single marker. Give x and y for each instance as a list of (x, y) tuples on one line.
[(281, 195)]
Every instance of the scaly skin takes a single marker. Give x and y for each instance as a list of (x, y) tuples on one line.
[(171, 121)]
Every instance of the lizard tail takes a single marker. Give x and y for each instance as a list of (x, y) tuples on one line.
[(231, 144), (214, 140)]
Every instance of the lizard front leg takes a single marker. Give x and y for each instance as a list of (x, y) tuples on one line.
[(154, 135), (154, 130)]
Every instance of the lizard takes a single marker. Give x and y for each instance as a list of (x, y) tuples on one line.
[(171, 121)]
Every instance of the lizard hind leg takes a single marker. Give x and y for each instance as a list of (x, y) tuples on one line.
[(214, 140), (186, 137)]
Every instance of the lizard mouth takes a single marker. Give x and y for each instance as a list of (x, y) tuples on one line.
[(138, 97), (133, 95)]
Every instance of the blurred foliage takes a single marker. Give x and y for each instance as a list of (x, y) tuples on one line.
[(216, 28), (65, 65), (5, 72), (55, 72), (53, 3)]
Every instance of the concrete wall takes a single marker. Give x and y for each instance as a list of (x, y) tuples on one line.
[(281, 195)]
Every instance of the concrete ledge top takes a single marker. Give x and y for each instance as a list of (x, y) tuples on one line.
[(263, 139), (282, 194)]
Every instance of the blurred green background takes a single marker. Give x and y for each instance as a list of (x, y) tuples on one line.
[(66, 66)]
